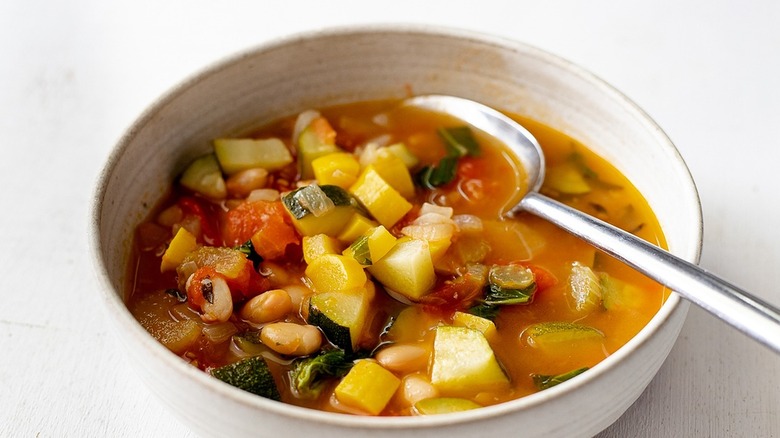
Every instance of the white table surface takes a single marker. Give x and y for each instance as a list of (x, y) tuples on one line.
[(75, 74)]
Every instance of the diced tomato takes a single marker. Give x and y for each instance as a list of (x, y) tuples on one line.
[(193, 207), (451, 295), (265, 223), (325, 133), (544, 279)]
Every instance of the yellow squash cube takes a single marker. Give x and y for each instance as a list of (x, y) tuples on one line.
[(367, 386), (182, 244), (380, 199), (484, 325), (393, 170), (371, 246), (319, 245), (335, 272), (356, 227), (340, 169), (407, 269)]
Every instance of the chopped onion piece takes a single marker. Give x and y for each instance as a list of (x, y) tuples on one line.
[(468, 223), (219, 332), (367, 154), (304, 119), (429, 232), (269, 195), (432, 218), (315, 200), (438, 209)]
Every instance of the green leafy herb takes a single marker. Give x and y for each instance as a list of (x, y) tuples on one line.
[(543, 381), (309, 375), (248, 249), (458, 143), (486, 311)]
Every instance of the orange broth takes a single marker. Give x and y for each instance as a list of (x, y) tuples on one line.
[(485, 186)]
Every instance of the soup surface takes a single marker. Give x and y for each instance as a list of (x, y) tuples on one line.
[(358, 260)]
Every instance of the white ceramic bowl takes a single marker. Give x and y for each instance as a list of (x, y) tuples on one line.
[(343, 65)]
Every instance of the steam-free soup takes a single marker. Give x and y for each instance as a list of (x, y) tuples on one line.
[(358, 259)]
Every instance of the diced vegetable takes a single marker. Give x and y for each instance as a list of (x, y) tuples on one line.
[(250, 375), (566, 178), (617, 294), (319, 245), (384, 203), (341, 316), (316, 140), (330, 221), (464, 363), (584, 288), (371, 246), (407, 269), (401, 151), (237, 154), (412, 324), (393, 170), (356, 227), (560, 337), (443, 405), (227, 261), (309, 375), (340, 169), (335, 272), (248, 249), (182, 244), (204, 176), (368, 387), (483, 325), (510, 284), (458, 142), (543, 381)]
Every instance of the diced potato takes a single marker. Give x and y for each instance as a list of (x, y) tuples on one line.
[(484, 325), (443, 405), (356, 227), (393, 170), (339, 169), (438, 248), (335, 272), (407, 269), (204, 176), (371, 246), (237, 154), (319, 245), (383, 201), (368, 387), (182, 244), (464, 363)]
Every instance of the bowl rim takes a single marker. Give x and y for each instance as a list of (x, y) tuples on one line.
[(134, 332)]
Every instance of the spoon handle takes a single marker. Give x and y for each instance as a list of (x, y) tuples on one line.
[(748, 314)]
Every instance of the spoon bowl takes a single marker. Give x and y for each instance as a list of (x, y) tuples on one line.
[(743, 311)]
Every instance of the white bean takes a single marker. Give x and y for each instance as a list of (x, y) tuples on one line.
[(403, 358), (416, 387), (291, 339), (272, 305), (221, 306)]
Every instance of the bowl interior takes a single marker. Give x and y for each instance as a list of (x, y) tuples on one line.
[(333, 67)]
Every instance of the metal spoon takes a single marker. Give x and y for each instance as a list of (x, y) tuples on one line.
[(748, 314)]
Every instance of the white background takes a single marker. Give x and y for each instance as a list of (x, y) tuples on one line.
[(74, 74)]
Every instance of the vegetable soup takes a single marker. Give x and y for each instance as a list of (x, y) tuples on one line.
[(357, 259)]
